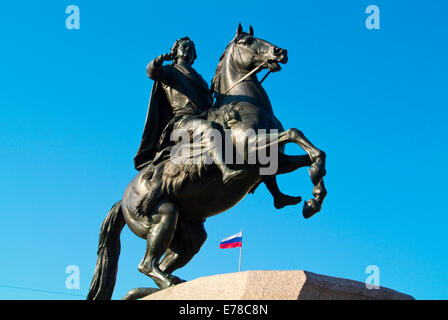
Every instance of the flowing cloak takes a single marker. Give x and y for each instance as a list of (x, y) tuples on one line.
[(158, 117)]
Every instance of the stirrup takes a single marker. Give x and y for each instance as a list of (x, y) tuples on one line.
[(236, 175)]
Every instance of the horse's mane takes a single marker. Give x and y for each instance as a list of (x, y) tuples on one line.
[(165, 179), (217, 76)]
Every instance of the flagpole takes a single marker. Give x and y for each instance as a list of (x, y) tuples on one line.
[(241, 249)]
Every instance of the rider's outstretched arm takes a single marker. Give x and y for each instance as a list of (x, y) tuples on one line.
[(156, 71)]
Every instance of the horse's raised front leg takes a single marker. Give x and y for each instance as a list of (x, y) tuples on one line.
[(317, 170), (316, 160), (290, 163), (262, 142)]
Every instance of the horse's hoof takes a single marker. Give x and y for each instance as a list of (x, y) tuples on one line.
[(175, 280), (167, 282), (310, 208), (138, 293)]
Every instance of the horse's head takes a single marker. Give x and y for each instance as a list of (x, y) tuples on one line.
[(251, 52), (244, 56)]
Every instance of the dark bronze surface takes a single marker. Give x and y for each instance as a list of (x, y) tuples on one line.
[(167, 203)]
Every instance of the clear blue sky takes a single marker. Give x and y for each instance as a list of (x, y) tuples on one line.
[(73, 104)]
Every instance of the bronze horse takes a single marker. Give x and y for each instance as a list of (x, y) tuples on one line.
[(167, 203)]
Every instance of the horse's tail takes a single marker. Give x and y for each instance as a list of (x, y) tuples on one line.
[(103, 281)]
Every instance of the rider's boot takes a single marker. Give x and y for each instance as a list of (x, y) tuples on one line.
[(228, 175)]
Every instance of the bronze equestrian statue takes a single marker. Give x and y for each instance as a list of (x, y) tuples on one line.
[(168, 201)]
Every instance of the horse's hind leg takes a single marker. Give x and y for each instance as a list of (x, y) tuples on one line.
[(187, 241), (159, 238)]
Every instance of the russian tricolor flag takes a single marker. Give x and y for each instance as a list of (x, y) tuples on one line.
[(234, 241)]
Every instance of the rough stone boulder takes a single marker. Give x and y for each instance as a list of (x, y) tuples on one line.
[(275, 285)]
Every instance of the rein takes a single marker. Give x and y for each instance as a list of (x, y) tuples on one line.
[(249, 74)]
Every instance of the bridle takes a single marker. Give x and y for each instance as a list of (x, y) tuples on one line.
[(256, 69)]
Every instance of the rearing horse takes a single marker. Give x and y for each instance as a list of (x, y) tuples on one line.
[(167, 202)]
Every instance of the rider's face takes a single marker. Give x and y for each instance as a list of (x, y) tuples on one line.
[(186, 51)]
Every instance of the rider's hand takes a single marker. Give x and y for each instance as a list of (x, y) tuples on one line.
[(166, 57)]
